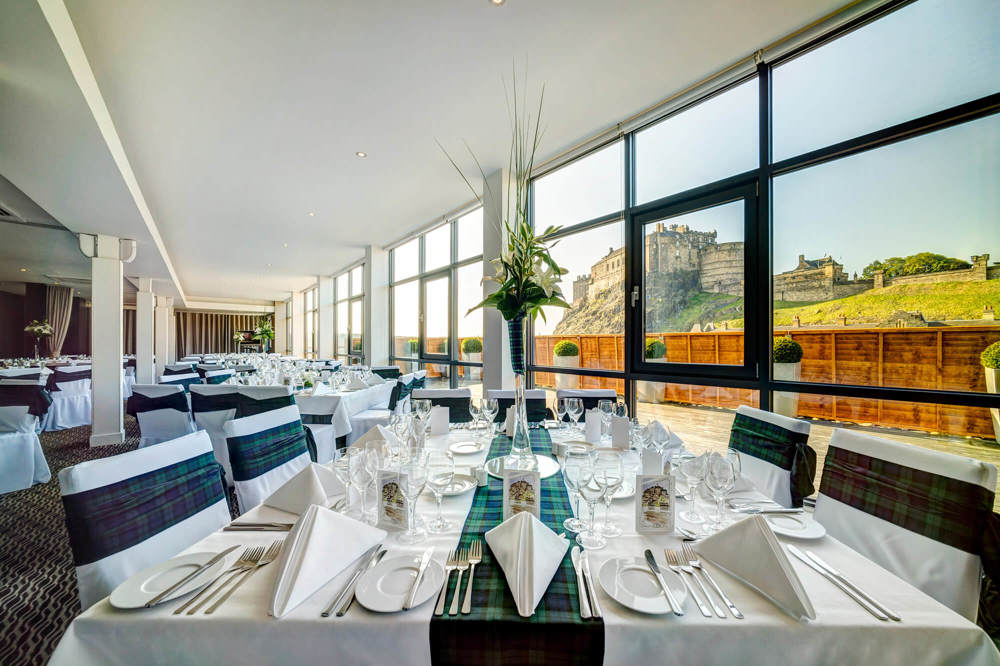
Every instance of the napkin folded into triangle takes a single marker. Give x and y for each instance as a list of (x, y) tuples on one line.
[(378, 434), (314, 484), (750, 551), (319, 547), (529, 554), (374, 380), (355, 382)]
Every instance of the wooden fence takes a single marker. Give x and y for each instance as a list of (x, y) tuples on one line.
[(943, 358)]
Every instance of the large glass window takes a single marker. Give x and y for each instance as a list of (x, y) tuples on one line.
[(588, 188), (310, 307), (288, 326), (349, 303)]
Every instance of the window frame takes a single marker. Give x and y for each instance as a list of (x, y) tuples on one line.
[(351, 299)]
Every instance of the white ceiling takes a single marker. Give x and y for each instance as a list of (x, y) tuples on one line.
[(240, 116)]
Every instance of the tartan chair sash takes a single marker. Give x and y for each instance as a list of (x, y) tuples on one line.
[(141, 403), (213, 403), (418, 383), (178, 371), (779, 446), (515, 331), (106, 520), (218, 379), (388, 373), (405, 389), (247, 406), (59, 377), (458, 408), (259, 453), (535, 408), (186, 382), (317, 419), (394, 395), (35, 398)]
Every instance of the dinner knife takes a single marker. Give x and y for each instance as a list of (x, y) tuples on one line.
[(595, 605), (371, 554), (655, 568), (844, 579), (424, 561), (581, 587), (159, 597), (755, 510), (284, 526), (254, 528), (346, 606), (846, 590)]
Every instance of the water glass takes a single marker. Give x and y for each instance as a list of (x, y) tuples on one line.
[(606, 407), (574, 407), (720, 477), (362, 476), (411, 480), (609, 471), (591, 489), (692, 468), (561, 411), (343, 473), (440, 474), (575, 463)]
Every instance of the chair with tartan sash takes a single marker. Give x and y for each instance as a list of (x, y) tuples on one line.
[(774, 454), (926, 516), (265, 451), (419, 379), (258, 399), (534, 404), (589, 397), (162, 411), (130, 511), (204, 368), (70, 388), (38, 375), (22, 462), (387, 371), (184, 381), (211, 407), (456, 400), (218, 376), (182, 368), (377, 415)]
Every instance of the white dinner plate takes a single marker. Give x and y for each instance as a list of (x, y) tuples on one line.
[(467, 447), (546, 466), (460, 484), (629, 581), (625, 490), (796, 525), (384, 587), (146, 584)]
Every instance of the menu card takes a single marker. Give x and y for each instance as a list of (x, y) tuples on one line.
[(392, 509), (522, 491), (654, 504)]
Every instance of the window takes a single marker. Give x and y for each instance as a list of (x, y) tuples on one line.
[(588, 188), (349, 303), (288, 326), (431, 326), (310, 307)]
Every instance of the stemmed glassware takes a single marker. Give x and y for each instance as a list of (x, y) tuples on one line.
[(440, 473), (609, 471), (720, 477), (343, 472), (561, 411), (592, 487), (489, 409), (475, 412), (606, 407), (692, 468), (574, 407), (620, 409), (411, 480), (360, 463), (422, 409), (576, 468)]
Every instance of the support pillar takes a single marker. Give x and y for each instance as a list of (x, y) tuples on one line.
[(172, 333), (324, 323), (497, 372), (375, 336), (145, 301), (298, 342), (161, 321)]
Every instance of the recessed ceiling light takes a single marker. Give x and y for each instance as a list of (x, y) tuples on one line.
[(284, 245), (269, 265), (361, 154), (496, 3), (312, 214), (24, 270)]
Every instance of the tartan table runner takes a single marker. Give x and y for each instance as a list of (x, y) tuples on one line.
[(494, 633)]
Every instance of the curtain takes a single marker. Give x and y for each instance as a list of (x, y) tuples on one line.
[(58, 310), (128, 331), (211, 332)]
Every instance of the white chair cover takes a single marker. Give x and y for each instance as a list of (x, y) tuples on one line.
[(432, 394), (508, 394), (183, 381), (770, 479), (253, 485), (944, 572), (22, 462), (327, 419), (71, 404), (183, 367), (218, 376), (96, 579), (161, 425), (213, 421), (380, 394)]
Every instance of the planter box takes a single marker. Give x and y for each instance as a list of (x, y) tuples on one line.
[(993, 386), (473, 373), (785, 403), (567, 381)]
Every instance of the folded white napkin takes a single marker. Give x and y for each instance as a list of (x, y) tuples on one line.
[(508, 425), (378, 434), (529, 554), (592, 426), (620, 428), (315, 484), (320, 546), (439, 420), (750, 551), (374, 380), (355, 382)]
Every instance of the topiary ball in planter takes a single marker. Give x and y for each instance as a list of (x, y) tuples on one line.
[(412, 346), (787, 350), (472, 346), (566, 355), (991, 356), (566, 348), (655, 348)]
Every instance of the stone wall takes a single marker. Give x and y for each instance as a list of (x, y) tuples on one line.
[(980, 272), (721, 270)]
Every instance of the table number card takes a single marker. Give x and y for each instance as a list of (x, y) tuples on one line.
[(521, 492), (392, 513), (654, 504)]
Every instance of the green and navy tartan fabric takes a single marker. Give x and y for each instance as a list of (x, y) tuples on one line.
[(418, 382), (35, 398), (515, 331), (247, 406), (186, 383), (533, 407), (213, 403), (494, 634), (106, 520), (779, 446), (217, 379), (259, 453), (405, 389), (59, 377), (179, 371)]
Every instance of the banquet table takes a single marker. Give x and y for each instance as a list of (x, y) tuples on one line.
[(242, 632), (336, 408)]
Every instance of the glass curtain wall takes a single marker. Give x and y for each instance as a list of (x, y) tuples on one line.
[(348, 315)]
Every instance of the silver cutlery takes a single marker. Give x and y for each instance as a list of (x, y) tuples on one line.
[(655, 568), (269, 556), (845, 589), (251, 561), (271, 525), (475, 557), (424, 561), (450, 565), (368, 559), (162, 595), (245, 561), (581, 587), (682, 562), (463, 566), (695, 561), (346, 606), (674, 565), (595, 604), (686, 534), (844, 579), (234, 528), (750, 510)]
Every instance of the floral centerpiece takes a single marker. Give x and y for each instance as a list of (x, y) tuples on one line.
[(525, 272), (38, 330), (264, 332)]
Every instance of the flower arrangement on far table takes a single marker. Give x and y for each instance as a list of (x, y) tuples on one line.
[(38, 330), (264, 332)]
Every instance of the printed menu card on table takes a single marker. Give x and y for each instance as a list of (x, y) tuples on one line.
[(392, 513), (521, 493), (654, 504)]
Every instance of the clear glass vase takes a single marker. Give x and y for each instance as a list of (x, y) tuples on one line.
[(520, 456)]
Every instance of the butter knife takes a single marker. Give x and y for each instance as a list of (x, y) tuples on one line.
[(595, 605), (655, 568), (167, 592), (581, 587), (284, 526), (843, 588), (844, 579), (370, 554), (424, 561)]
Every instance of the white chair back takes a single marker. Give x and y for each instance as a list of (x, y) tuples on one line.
[(211, 406), (508, 394), (16, 418), (772, 480), (218, 376), (160, 422), (22, 462), (184, 380)]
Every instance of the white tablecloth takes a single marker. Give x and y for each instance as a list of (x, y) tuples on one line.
[(22, 462), (241, 632), (340, 406)]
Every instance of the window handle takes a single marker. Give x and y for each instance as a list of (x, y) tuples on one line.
[(635, 295)]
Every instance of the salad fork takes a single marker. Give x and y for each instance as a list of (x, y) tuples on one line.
[(694, 561), (463, 566), (450, 565), (247, 560), (475, 557), (674, 564), (272, 553)]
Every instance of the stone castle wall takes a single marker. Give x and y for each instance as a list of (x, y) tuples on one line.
[(721, 270), (980, 271)]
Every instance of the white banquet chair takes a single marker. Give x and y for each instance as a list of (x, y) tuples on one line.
[(70, 389), (534, 403), (378, 413), (419, 379), (774, 454), (218, 376), (456, 400), (129, 511), (873, 498), (265, 451), (257, 399), (589, 397), (183, 368), (212, 406), (162, 411), (22, 461), (183, 380)]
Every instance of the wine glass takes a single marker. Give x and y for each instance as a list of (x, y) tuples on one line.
[(574, 407), (490, 408), (591, 489), (343, 472), (411, 480), (561, 411), (720, 477), (475, 412), (362, 476), (422, 408), (440, 473), (575, 462), (605, 407), (609, 471), (620, 409), (693, 470)]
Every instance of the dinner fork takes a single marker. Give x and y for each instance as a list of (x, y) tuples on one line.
[(249, 558), (450, 565), (694, 561), (463, 566), (674, 564), (475, 557), (688, 569), (272, 553)]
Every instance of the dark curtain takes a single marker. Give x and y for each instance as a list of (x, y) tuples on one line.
[(212, 332), (58, 311), (128, 331)]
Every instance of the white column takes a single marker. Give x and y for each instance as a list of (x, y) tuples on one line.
[(144, 303), (279, 328), (106, 340), (172, 333), (376, 309), (161, 319), (298, 342), (497, 373), (325, 332)]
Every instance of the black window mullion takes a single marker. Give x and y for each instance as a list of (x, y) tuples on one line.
[(762, 239)]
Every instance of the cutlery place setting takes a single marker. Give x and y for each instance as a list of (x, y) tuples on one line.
[(460, 560), (839, 580)]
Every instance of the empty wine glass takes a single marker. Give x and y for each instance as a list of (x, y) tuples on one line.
[(561, 411), (693, 470), (343, 472), (591, 489), (606, 407), (620, 409), (440, 473), (411, 480), (719, 479), (609, 471), (422, 408), (574, 407), (490, 408), (574, 463), (362, 476), (475, 412)]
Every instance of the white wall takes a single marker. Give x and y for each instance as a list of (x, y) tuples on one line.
[(298, 324), (376, 310)]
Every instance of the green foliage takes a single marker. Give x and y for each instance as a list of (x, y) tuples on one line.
[(472, 346), (412, 346), (655, 348), (566, 348), (787, 350), (991, 356), (264, 330), (915, 264)]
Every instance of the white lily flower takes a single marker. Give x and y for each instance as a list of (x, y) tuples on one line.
[(546, 278)]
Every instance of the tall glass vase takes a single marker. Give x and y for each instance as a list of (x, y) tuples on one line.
[(520, 456)]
